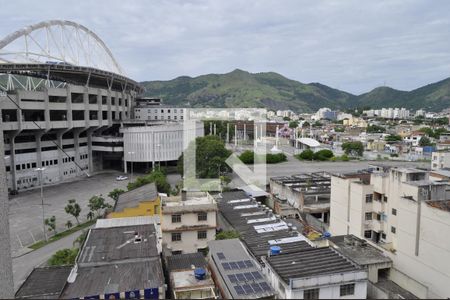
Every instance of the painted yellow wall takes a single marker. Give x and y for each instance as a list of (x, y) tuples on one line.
[(145, 208)]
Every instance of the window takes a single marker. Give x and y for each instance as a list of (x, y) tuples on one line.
[(385, 198), (383, 236), (176, 218), (176, 252), (201, 235), (368, 234), (369, 198), (393, 229), (378, 217), (311, 294), (368, 216), (347, 289), (394, 211), (202, 216), (176, 236)]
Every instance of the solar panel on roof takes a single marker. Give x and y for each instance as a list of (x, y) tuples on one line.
[(240, 277), (256, 287), (233, 265), (247, 289), (265, 287), (257, 275), (248, 276), (248, 263), (233, 278), (239, 290), (220, 255), (241, 264), (226, 266)]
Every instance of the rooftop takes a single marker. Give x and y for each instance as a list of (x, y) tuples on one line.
[(147, 192), (109, 245), (358, 250), (442, 205), (309, 262), (115, 278), (44, 283), (238, 270), (257, 224), (185, 280), (186, 261), (191, 203)]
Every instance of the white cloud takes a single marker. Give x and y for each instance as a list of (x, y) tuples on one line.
[(352, 45)]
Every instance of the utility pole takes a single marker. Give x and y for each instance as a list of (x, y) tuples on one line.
[(41, 177), (6, 273)]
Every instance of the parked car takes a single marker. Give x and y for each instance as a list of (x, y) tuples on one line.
[(121, 178)]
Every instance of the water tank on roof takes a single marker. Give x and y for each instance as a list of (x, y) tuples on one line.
[(275, 250), (326, 234), (200, 273)]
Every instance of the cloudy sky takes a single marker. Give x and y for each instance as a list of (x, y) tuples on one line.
[(353, 45)]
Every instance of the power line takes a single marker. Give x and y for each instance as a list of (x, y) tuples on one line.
[(39, 127)]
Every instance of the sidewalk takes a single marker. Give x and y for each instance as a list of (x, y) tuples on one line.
[(24, 264)]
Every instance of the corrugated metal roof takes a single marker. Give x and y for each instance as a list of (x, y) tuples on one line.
[(132, 198)]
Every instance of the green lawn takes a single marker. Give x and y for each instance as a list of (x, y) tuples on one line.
[(60, 235)]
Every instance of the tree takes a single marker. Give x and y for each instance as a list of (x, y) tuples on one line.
[(97, 204), (228, 234), (90, 216), (156, 176), (74, 209), (64, 257), (353, 148), (375, 129), (51, 223), (208, 149), (393, 138), (81, 238), (425, 141), (306, 124), (286, 119), (114, 194), (293, 124), (69, 224)]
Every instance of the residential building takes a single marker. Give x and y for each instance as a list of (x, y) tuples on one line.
[(308, 193), (314, 273), (44, 283), (142, 201), (190, 277), (189, 222), (404, 213), (440, 160), (236, 272), (151, 109), (118, 262)]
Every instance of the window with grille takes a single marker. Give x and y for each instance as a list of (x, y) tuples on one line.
[(201, 235), (347, 289), (176, 236), (176, 218), (202, 216), (368, 216), (311, 294), (369, 198)]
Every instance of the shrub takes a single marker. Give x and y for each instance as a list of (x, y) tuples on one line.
[(247, 157), (306, 155), (323, 155), (64, 257), (275, 158), (226, 235)]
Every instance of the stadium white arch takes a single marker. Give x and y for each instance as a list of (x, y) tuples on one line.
[(58, 42)]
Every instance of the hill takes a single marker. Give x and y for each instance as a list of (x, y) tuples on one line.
[(243, 89), (274, 91)]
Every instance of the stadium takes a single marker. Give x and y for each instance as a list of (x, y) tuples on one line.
[(63, 98)]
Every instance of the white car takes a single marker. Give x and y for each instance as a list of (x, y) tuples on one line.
[(121, 178)]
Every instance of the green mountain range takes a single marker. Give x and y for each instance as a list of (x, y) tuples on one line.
[(274, 91)]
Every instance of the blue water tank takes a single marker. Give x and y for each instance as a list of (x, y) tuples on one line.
[(326, 234), (275, 250), (200, 273)]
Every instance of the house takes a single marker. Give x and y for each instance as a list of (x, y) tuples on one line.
[(44, 283), (190, 277), (118, 262), (142, 201), (236, 273), (189, 222), (440, 160), (314, 273)]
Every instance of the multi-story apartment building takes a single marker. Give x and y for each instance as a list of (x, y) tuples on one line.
[(152, 109), (405, 214), (189, 222), (440, 160)]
